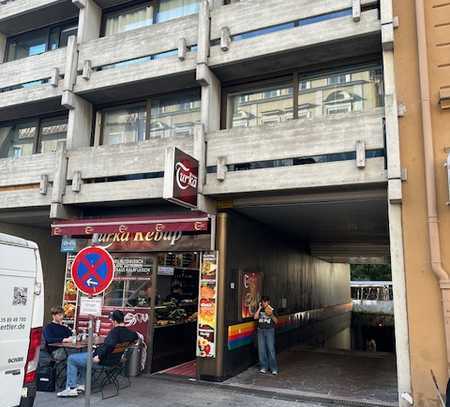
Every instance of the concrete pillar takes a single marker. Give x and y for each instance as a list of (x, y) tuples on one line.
[(204, 26), (89, 22), (79, 126), (2, 48), (211, 98)]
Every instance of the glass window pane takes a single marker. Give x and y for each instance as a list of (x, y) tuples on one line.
[(129, 20), (175, 115), (66, 33), (28, 44), (264, 106), (138, 293), (114, 294), (124, 125), (54, 38), (170, 9), (51, 131), (17, 140), (341, 92)]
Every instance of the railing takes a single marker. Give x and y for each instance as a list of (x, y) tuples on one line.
[(139, 54), (249, 29), (120, 172), (338, 150), (26, 181)]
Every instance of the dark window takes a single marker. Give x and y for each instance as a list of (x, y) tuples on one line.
[(26, 137), (40, 41)]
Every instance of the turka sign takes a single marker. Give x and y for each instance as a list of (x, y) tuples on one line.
[(180, 178)]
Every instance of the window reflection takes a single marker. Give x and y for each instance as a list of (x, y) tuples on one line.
[(327, 95), (51, 132), (265, 106), (124, 124), (17, 140), (129, 19)]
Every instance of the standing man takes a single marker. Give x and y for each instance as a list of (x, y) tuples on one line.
[(267, 319), (77, 362)]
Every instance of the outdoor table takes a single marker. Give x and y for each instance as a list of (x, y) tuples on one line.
[(79, 345)]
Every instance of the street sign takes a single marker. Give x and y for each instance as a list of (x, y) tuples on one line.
[(91, 306), (93, 270)]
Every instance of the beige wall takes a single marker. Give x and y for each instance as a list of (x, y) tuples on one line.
[(53, 262), (427, 338)]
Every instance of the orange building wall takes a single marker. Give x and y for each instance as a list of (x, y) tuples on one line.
[(425, 316)]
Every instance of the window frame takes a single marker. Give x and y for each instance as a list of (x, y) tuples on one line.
[(146, 102), (38, 121), (48, 29), (295, 77)]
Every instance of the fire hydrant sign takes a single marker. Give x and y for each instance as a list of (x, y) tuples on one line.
[(93, 270), (91, 306)]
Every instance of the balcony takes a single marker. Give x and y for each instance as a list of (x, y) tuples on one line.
[(339, 150), (29, 80), (120, 172), (20, 181), (299, 33), (18, 16), (137, 59)]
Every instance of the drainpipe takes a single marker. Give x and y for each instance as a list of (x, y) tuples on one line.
[(430, 178)]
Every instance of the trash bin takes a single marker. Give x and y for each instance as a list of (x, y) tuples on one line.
[(133, 366)]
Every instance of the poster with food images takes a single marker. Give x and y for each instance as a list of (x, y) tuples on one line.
[(207, 306), (251, 286)]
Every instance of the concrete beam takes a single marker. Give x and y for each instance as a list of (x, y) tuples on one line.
[(70, 76), (89, 21), (2, 48), (79, 126), (204, 27), (59, 180), (356, 10)]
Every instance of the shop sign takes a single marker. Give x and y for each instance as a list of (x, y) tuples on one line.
[(181, 178), (207, 306), (92, 270), (68, 245), (251, 288), (153, 241)]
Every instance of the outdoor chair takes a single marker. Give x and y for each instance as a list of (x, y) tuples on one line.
[(110, 371), (58, 364)]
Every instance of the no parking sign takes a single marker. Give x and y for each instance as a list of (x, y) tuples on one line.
[(93, 270)]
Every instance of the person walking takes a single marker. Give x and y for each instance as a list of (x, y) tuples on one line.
[(77, 362), (267, 320)]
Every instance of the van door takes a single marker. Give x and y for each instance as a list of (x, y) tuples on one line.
[(18, 269)]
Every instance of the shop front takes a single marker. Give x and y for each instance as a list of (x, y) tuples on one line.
[(165, 283)]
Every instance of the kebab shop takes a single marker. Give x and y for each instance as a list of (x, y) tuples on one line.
[(165, 282)]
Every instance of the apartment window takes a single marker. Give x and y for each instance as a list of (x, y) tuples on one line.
[(28, 137), (125, 124), (359, 90), (40, 41), (148, 13), (271, 104), (175, 115), (165, 116)]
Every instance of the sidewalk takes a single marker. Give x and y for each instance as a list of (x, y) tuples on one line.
[(160, 392)]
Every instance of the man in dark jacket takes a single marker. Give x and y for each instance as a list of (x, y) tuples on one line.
[(76, 363), (55, 331)]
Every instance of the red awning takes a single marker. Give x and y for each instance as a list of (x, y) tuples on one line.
[(192, 222)]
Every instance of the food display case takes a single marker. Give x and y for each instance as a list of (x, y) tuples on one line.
[(70, 296)]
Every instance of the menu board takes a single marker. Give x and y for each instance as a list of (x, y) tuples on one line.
[(207, 306), (251, 287)]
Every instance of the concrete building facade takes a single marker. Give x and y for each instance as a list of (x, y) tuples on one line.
[(295, 111)]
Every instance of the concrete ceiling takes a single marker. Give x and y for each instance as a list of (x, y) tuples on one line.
[(343, 228)]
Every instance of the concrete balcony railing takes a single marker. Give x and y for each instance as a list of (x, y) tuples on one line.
[(119, 172), (334, 151), (11, 8), (27, 181), (32, 79), (156, 51), (247, 30)]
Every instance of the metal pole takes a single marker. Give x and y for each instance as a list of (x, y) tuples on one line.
[(87, 396)]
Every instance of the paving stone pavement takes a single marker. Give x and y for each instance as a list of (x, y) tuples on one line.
[(158, 392)]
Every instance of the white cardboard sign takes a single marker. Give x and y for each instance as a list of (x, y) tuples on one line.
[(91, 306)]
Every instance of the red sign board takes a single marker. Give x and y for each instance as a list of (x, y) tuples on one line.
[(181, 178), (93, 270)]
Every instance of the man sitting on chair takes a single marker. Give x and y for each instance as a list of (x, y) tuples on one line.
[(76, 363)]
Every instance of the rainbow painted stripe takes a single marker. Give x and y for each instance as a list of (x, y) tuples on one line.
[(241, 334)]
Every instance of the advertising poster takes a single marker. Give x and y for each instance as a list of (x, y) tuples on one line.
[(207, 306), (251, 286)]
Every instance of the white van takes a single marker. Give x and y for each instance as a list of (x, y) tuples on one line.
[(21, 318)]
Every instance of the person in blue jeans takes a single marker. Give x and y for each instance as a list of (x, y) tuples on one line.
[(77, 362), (267, 320)]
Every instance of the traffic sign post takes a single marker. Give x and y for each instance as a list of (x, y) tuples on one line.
[(92, 272)]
